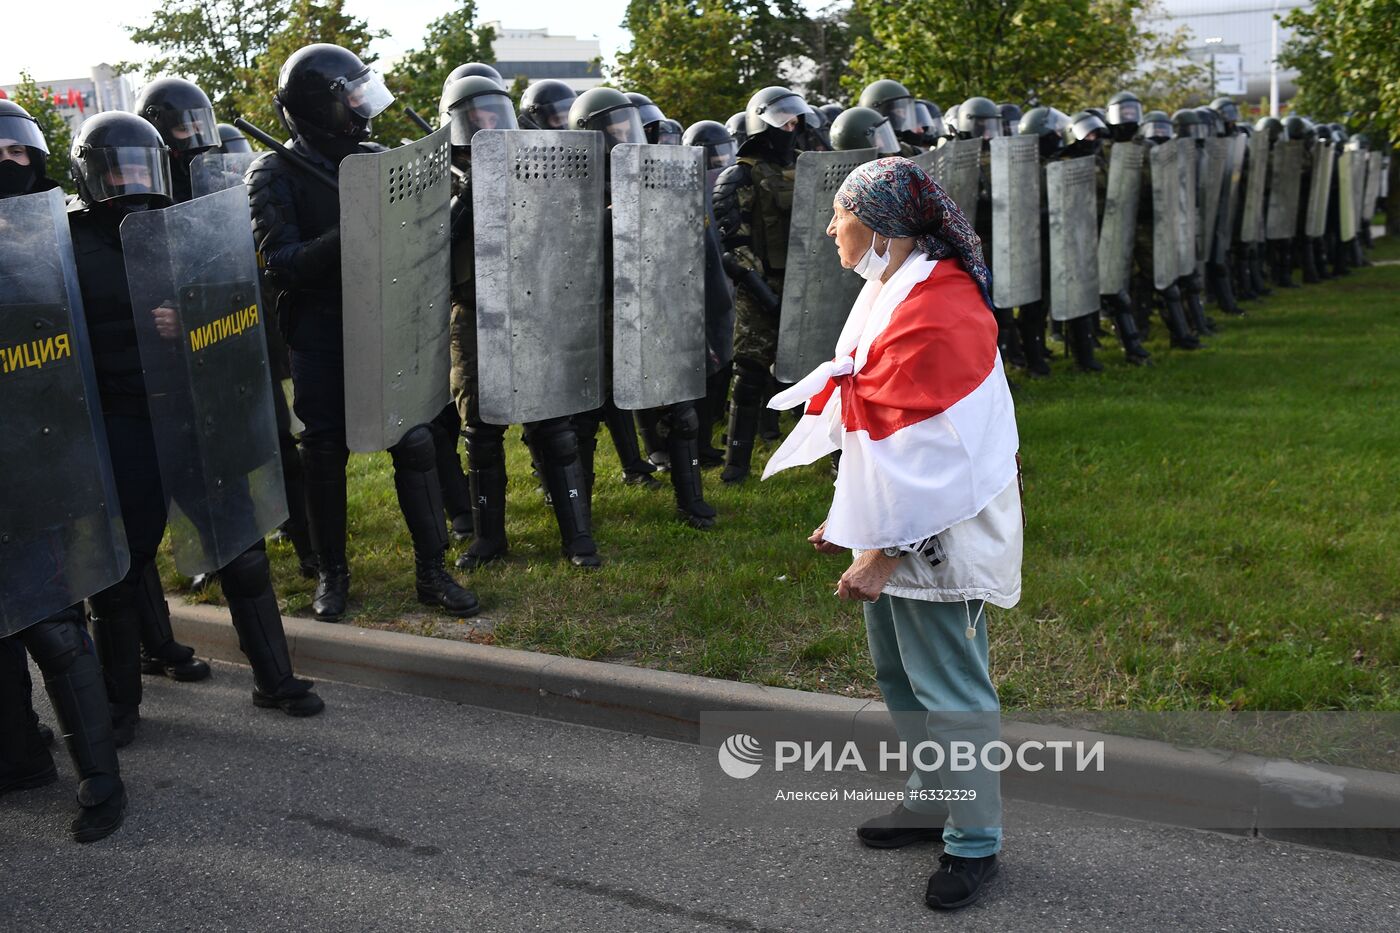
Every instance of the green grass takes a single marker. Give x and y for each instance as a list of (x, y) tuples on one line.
[(1218, 531)]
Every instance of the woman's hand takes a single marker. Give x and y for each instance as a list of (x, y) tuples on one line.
[(821, 544), (867, 576)]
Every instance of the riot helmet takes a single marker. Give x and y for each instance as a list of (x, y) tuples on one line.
[(546, 103), (893, 100), (181, 112), (950, 124), (864, 128), (23, 151), (1339, 133), (979, 118), (1214, 125), (1227, 108), (231, 139), (119, 157), (479, 69), (610, 112), (1187, 124), (1156, 127), (830, 112), (325, 93), (1049, 125), (1124, 114), (1271, 125), (737, 127), (1010, 118), (1359, 142), (1085, 134), (668, 133), (475, 103), (935, 130), (1297, 127), (721, 150), (774, 108), (650, 113)]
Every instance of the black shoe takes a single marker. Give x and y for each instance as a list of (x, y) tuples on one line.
[(98, 820), (640, 478), (124, 727), (38, 771), (711, 457), (460, 526), (958, 881), (437, 588), (185, 670), (474, 558), (295, 699), (332, 593), (200, 582), (900, 828), (660, 459)]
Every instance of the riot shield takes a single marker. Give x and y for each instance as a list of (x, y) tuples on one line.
[(817, 292), (1231, 194), (61, 534), (1252, 212), (193, 275), (960, 169), (215, 171), (1285, 182), (1321, 191), (1346, 196), (1187, 217), (538, 202), (1118, 232), (395, 259), (1209, 188), (1373, 186), (1164, 163), (1015, 221), (931, 161), (1074, 242), (658, 214), (1358, 186)]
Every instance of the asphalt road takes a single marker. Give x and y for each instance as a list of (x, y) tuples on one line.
[(392, 812)]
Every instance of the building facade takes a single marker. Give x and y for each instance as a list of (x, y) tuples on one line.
[(1236, 40), (534, 54), (79, 98)]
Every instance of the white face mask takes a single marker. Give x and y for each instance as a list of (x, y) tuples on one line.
[(872, 265)]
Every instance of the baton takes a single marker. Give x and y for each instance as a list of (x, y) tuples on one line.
[(422, 124), (296, 159)]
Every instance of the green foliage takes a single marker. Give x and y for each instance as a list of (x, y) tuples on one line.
[(1347, 53), (1067, 53), (38, 101), (517, 90), (452, 39)]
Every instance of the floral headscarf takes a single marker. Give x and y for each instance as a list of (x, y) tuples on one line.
[(896, 198)]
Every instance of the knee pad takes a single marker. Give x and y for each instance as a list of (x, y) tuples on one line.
[(555, 441), (415, 452), (57, 642), (485, 445), (247, 575), (685, 421)]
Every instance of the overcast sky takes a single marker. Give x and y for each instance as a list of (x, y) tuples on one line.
[(67, 40)]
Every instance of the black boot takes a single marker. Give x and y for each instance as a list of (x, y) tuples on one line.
[(1224, 293), (25, 761), (636, 470), (1238, 269), (1174, 316), (1078, 334), (1255, 270), (160, 652), (253, 606), (769, 426), (116, 632), (1309, 261), (683, 441), (567, 490), (1125, 322), (323, 471), (711, 410), (1009, 338), (456, 493), (73, 680), (1195, 311), (486, 461), (744, 414), (420, 500), (657, 454), (1031, 321)]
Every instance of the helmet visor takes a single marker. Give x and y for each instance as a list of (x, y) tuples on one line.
[(721, 155), (482, 112), (1229, 112), (1127, 111), (21, 131), (1086, 126), (554, 114), (883, 138), (1196, 130), (120, 172), (365, 94), (984, 127), (784, 110), (620, 125), (901, 114), (1157, 129), (668, 138), (650, 114), (187, 130)]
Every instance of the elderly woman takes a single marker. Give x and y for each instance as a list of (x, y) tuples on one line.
[(928, 494)]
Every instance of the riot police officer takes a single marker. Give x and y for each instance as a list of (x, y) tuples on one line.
[(1188, 123), (326, 97), (1155, 129), (59, 643), (232, 140), (864, 128), (753, 206), (737, 126), (181, 112), (545, 105), (1304, 247), (1010, 118), (120, 166), (892, 100)]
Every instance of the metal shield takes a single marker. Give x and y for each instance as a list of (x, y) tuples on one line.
[(395, 270), (1118, 231), (817, 292), (1209, 189), (960, 169), (193, 275), (1187, 216), (1015, 221), (1321, 190), (1373, 186), (1074, 242), (538, 202), (1285, 184), (61, 534), (931, 161), (1358, 185), (1164, 164), (1256, 176), (658, 221), (215, 171), (1346, 196), (1231, 194)]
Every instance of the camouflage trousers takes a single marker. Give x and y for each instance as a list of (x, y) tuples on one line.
[(756, 328), (462, 331)]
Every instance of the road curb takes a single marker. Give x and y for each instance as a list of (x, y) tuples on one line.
[(668, 705)]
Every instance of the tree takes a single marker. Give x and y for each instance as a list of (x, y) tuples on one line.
[(214, 43), (38, 101), (1066, 53), (452, 39)]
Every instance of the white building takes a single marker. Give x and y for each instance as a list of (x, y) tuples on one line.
[(79, 98), (535, 54), (1237, 37)]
